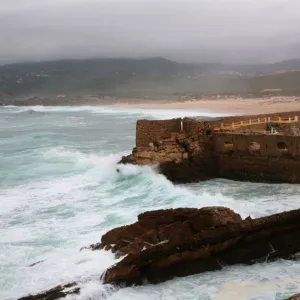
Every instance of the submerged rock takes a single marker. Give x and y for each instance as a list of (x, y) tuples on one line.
[(36, 263), (58, 292)]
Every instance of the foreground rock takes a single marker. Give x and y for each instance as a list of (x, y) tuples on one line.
[(175, 243), (164, 244)]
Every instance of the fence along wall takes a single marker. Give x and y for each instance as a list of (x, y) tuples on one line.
[(150, 131), (233, 119)]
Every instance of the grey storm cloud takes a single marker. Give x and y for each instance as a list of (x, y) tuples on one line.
[(184, 30)]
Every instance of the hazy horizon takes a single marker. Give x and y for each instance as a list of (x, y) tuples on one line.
[(147, 58), (222, 31)]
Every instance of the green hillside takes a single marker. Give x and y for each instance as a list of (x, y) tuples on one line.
[(155, 77)]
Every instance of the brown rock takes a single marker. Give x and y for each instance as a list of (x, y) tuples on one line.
[(164, 244), (58, 292), (204, 240), (210, 217), (295, 297)]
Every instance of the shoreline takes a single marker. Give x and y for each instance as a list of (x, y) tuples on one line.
[(234, 106)]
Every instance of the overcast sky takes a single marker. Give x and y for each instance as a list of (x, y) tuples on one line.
[(184, 30)]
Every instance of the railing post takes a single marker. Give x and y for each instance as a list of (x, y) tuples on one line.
[(296, 118), (269, 119), (265, 120), (290, 120), (232, 125), (249, 122), (279, 119), (242, 122), (221, 125), (258, 120)]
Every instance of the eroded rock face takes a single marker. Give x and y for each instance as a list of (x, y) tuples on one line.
[(164, 244), (172, 243), (168, 150), (181, 159), (163, 226)]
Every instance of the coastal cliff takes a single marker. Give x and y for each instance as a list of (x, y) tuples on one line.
[(189, 150)]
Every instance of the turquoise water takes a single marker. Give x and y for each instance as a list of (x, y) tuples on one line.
[(59, 191)]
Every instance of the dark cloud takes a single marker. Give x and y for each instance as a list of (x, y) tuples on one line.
[(186, 30)]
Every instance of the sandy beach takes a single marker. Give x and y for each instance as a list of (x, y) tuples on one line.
[(235, 106)]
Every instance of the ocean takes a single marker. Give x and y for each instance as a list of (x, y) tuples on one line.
[(60, 191)]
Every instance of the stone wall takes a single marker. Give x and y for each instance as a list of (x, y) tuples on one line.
[(194, 128), (255, 157), (150, 131), (267, 145), (187, 151)]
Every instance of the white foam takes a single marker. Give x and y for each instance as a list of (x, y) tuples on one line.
[(153, 113), (51, 217)]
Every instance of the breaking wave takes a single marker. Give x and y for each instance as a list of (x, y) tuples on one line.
[(60, 191), (157, 113)]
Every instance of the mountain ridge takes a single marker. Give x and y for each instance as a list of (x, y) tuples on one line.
[(142, 77)]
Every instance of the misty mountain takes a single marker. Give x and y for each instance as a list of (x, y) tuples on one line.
[(141, 77)]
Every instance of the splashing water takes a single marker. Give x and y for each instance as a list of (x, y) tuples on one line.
[(60, 191)]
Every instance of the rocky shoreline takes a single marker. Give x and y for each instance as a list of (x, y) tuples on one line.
[(164, 244)]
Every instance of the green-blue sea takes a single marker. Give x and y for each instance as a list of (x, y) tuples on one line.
[(60, 191)]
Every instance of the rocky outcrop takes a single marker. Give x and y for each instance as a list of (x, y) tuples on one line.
[(181, 158), (164, 244), (167, 150), (175, 243)]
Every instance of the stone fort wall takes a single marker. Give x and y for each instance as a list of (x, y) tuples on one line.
[(263, 145), (242, 156), (257, 157), (149, 131)]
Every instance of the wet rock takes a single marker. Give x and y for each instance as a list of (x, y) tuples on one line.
[(36, 263), (164, 244), (174, 243), (58, 292)]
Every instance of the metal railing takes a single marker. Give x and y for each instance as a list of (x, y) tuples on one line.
[(250, 122)]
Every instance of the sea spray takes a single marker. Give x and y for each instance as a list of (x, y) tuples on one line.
[(60, 191)]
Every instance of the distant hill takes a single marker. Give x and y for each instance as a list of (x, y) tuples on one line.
[(154, 77)]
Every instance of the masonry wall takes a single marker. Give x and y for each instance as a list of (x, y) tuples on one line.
[(194, 128), (151, 131), (242, 144), (277, 159)]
